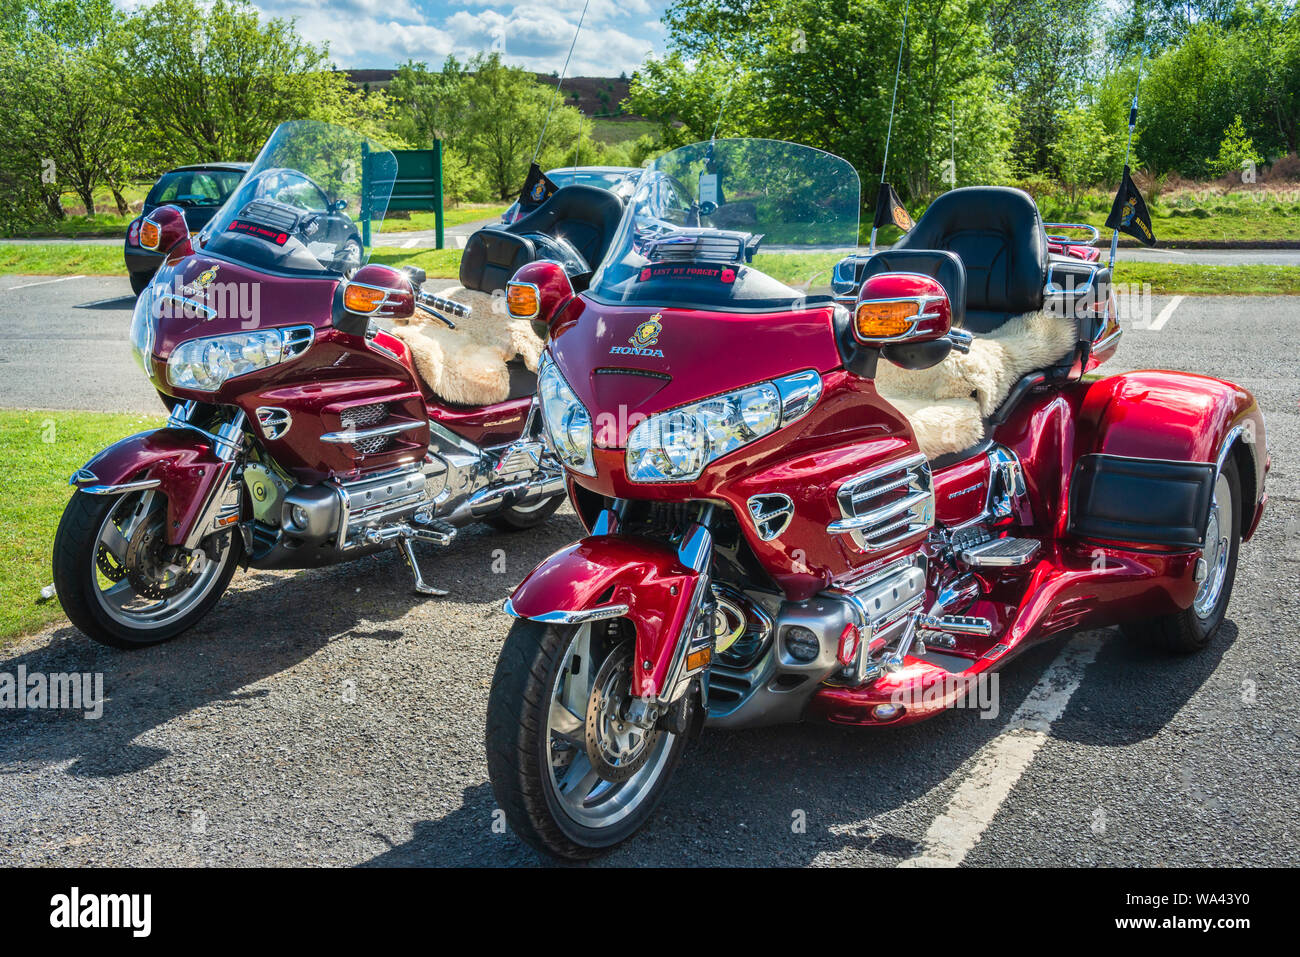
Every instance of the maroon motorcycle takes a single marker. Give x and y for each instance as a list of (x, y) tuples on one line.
[(301, 434), (851, 503)]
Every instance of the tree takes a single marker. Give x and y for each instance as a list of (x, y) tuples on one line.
[(212, 81), (1236, 149), (1081, 151)]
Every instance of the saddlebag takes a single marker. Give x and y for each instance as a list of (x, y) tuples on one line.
[(1149, 501)]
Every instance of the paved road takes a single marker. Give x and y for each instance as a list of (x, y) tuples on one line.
[(329, 717)]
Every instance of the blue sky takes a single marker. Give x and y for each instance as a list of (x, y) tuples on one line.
[(616, 35)]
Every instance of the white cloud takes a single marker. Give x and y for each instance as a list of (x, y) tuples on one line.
[(616, 35)]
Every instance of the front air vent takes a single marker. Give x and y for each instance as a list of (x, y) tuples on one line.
[(274, 421), (361, 417), (771, 514), (888, 505)]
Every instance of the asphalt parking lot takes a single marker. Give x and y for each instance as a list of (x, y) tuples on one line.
[(331, 717)]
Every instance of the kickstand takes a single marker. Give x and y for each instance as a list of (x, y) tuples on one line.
[(408, 552)]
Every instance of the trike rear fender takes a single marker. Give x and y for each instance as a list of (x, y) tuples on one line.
[(1178, 417), (180, 464), (592, 579)]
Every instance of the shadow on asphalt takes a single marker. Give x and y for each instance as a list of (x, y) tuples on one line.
[(120, 304), (738, 796), (763, 797)]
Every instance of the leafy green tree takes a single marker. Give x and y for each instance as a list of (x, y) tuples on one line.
[(1081, 152), (212, 81), (1236, 149)]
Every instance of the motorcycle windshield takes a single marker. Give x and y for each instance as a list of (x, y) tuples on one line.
[(733, 224), (309, 204)]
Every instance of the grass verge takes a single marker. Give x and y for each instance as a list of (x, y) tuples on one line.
[(61, 259), (469, 213), (1191, 279), (40, 450)]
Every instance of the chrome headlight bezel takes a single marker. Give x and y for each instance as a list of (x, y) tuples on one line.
[(678, 444), (144, 329), (206, 364), (567, 421)]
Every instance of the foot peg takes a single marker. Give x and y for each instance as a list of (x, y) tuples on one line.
[(956, 625), (434, 531), (1000, 553)]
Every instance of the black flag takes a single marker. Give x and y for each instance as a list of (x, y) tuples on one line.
[(537, 188), (1129, 214), (890, 211)]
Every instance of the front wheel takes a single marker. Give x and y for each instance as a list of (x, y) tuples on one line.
[(121, 583), (1190, 630), (573, 773)]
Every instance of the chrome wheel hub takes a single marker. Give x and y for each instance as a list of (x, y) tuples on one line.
[(1218, 545), (601, 764)]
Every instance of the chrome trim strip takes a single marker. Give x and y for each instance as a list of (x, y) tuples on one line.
[(138, 486), (599, 613), (360, 435)]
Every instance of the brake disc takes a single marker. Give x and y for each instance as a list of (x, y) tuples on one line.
[(109, 566), (148, 572), (616, 747)]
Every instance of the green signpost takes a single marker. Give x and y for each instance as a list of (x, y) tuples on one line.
[(418, 187)]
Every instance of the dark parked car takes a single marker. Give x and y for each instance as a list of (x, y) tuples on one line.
[(199, 190)]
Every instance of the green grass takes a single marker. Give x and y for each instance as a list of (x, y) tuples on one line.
[(61, 259), (40, 450), (436, 263), (468, 213), (1190, 279)]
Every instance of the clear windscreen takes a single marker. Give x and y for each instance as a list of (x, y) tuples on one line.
[(734, 223), (310, 203)]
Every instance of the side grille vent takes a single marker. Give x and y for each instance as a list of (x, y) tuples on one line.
[(771, 514), (362, 417), (887, 505)]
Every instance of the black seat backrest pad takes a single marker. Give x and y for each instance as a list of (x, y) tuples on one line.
[(492, 255), (998, 234), (935, 263), (586, 217)]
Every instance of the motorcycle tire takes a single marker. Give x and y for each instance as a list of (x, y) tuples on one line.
[(75, 561), (1190, 630), (517, 739), (518, 520)]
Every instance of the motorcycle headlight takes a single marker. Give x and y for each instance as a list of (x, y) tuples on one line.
[(207, 364), (675, 446), (568, 422)]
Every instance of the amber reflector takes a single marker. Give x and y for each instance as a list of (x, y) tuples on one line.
[(149, 235), (521, 300), (363, 299), (883, 320), (698, 659)]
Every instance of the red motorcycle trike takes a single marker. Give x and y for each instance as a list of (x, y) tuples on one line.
[(848, 504), (301, 433)]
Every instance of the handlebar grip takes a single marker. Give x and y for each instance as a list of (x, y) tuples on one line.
[(459, 310)]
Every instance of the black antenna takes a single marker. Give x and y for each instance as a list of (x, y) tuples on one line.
[(1132, 122), (563, 73), (892, 102)]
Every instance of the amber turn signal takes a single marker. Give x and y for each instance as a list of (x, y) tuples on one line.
[(149, 234), (878, 319), (522, 300), (363, 299), (698, 659)]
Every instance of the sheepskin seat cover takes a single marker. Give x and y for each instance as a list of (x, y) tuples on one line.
[(467, 365), (946, 404)]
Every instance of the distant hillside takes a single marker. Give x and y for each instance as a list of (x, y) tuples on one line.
[(594, 96)]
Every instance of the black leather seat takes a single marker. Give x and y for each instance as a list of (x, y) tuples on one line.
[(998, 234), (582, 218)]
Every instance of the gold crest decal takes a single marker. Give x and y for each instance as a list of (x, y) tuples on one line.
[(647, 334), (205, 278)]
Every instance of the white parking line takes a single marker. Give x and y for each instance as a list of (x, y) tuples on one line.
[(1166, 312), (1001, 762), (42, 282), (410, 244)]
